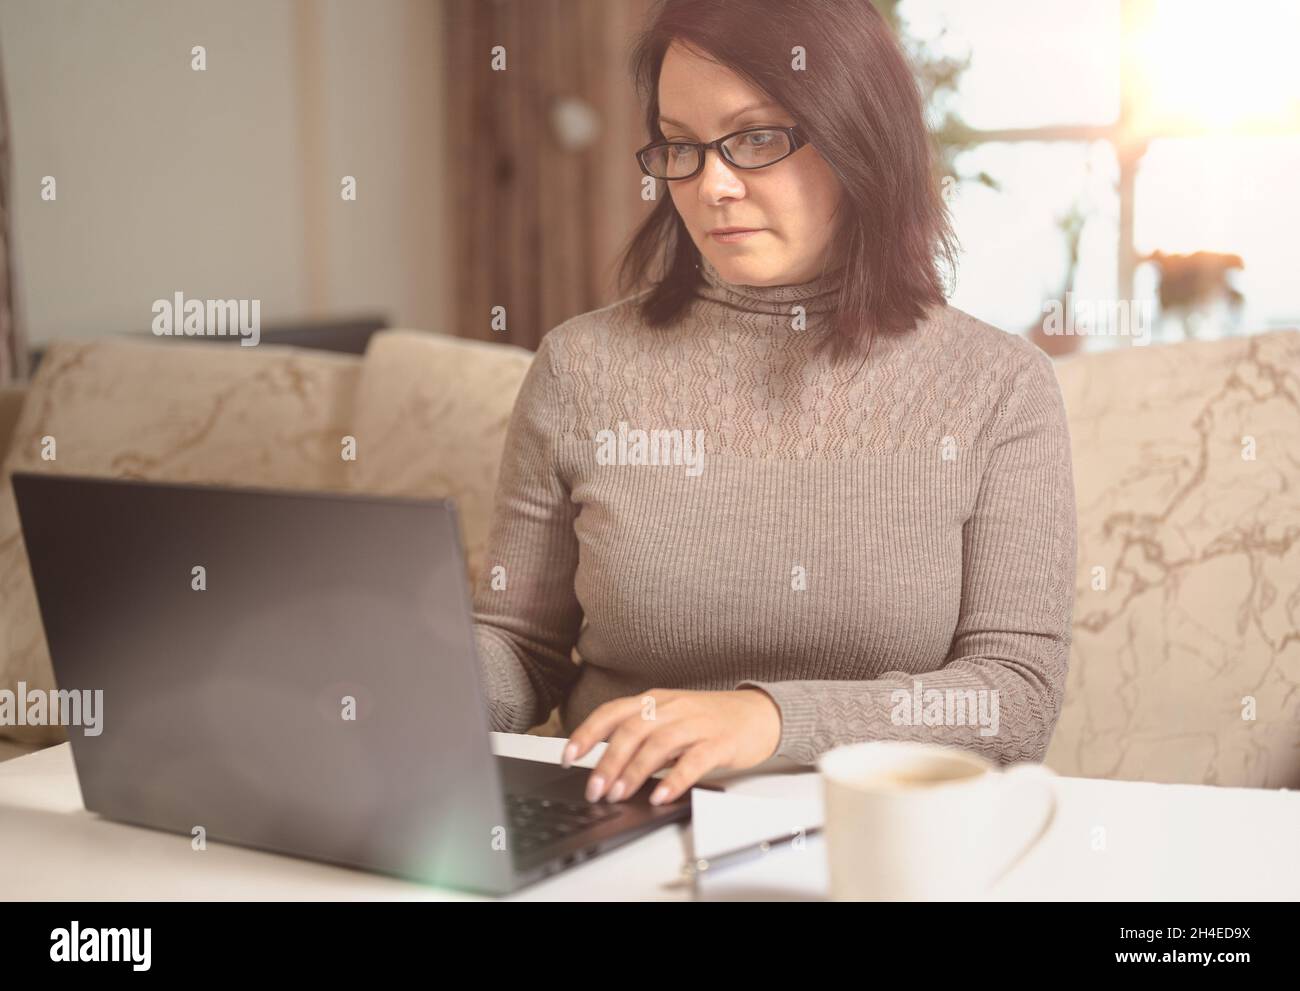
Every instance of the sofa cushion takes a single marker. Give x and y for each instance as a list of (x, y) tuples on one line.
[(11, 404), (1187, 475), (432, 413), (265, 416)]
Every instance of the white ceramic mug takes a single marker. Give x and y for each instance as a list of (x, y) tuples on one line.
[(918, 821)]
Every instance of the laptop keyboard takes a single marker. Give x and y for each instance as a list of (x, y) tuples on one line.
[(535, 821)]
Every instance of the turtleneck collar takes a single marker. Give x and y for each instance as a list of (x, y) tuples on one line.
[(818, 296)]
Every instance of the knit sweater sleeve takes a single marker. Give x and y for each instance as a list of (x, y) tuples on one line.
[(526, 612), (1013, 633)]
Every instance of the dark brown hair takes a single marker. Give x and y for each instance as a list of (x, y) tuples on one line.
[(859, 104)]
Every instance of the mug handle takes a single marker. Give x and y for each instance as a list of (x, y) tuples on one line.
[(1012, 778)]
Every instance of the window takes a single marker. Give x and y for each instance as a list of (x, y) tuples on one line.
[(1172, 125)]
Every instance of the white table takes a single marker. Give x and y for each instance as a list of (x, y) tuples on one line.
[(1161, 842)]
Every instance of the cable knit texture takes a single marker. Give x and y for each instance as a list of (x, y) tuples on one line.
[(885, 546)]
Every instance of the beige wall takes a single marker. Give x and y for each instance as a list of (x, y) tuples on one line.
[(224, 183)]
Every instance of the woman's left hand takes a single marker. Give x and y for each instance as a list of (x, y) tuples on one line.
[(702, 730)]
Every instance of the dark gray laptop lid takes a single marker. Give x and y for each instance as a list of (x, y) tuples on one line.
[(226, 707)]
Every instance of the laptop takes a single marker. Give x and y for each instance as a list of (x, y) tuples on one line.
[(296, 672)]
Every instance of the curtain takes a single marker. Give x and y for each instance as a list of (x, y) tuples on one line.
[(13, 347), (544, 188)]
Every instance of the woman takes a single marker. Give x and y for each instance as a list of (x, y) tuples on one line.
[(851, 515)]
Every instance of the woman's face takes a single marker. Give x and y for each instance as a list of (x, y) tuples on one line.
[(792, 203)]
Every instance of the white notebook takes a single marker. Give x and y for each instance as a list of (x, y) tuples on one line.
[(755, 809)]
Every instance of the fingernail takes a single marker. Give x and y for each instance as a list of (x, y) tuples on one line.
[(616, 792), (570, 752), (594, 787), (659, 795)]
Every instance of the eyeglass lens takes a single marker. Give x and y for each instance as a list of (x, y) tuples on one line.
[(750, 150)]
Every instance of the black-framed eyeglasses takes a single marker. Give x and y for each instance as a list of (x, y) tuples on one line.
[(750, 148)]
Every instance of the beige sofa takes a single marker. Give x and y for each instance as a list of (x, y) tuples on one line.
[(1186, 657)]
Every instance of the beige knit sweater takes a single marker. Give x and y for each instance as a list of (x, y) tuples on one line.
[(886, 548)]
